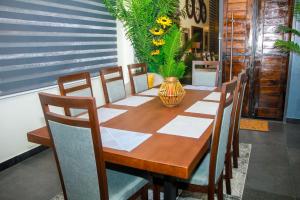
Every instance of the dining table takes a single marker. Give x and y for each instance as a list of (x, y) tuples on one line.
[(169, 156)]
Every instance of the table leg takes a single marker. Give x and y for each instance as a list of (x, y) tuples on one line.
[(170, 191)]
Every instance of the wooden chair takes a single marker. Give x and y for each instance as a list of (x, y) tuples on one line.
[(113, 84), (206, 76), (75, 85), (209, 175), (138, 77), (78, 153), (241, 87)]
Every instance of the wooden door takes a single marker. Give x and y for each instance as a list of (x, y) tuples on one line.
[(271, 65), (255, 24), (241, 11)]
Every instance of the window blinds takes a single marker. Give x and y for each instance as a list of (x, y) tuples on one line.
[(41, 40)]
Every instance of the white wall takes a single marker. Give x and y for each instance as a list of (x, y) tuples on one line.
[(20, 113)]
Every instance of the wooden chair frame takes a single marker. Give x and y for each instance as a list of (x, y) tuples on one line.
[(208, 63), (104, 81), (71, 78), (227, 88), (131, 67), (88, 103), (92, 123), (241, 87)]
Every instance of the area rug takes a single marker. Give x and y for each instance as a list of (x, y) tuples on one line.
[(254, 125), (237, 183)]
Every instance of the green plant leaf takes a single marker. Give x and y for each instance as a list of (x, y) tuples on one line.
[(287, 46), (285, 29), (170, 50), (138, 17)]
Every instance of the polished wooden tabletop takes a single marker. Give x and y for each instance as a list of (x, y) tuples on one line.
[(163, 154)]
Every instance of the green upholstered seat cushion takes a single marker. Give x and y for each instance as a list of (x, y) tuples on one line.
[(122, 185), (200, 176)]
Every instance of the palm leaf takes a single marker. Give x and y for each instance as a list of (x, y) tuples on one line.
[(287, 46), (170, 50), (285, 29)]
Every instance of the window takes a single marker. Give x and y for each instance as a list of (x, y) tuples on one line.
[(42, 40)]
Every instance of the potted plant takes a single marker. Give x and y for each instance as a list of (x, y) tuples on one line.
[(156, 40), (166, 44)]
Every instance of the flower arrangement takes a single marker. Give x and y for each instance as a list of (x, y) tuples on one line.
[(166, 46)]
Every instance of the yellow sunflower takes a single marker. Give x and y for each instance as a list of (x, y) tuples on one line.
[(157, 31), (164, 21), (155, 52), (158, 42)]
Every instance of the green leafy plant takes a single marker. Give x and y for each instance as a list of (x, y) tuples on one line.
[(170, 66), (290, 46), (138, 17)]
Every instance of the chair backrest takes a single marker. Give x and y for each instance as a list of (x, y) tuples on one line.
[(206, 76), (240, 92), (138, 77), (77, 147), (222, 131), (113, 84), (75, 85)]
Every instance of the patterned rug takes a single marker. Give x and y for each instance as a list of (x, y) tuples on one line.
[(237, 183), (254, 125)]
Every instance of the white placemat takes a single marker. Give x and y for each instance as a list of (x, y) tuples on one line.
[(214, 96), (105, 114), (186, 126), (196, 87), (151, 92), (133, 101), (121, 139), (204, 107)]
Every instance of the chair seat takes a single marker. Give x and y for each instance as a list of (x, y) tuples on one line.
[(122, 185), (200, 176)]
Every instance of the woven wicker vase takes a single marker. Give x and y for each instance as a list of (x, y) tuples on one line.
[(171, 92)]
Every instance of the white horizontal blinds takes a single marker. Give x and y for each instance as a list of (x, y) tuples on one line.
[(41, 40)]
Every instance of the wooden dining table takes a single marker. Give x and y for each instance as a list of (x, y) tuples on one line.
[(169, 156)]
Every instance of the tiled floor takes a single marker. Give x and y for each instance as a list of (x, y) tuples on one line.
[(274, 169)]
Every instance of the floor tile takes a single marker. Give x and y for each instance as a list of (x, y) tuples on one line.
[(270, 178), (35, 178), (250, 194), (293, 139), (275, 154), (295, 173), (255, 137), (294, 155)]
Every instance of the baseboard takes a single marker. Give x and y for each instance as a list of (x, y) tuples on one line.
[(292, 120), (19, 158)]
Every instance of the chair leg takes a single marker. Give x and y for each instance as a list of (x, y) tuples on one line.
[(238, 146), (220, 188), (228, 186), (228, 167), (228, 174), (156, 192), (144, 194), (235, 154), (211, 192)]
